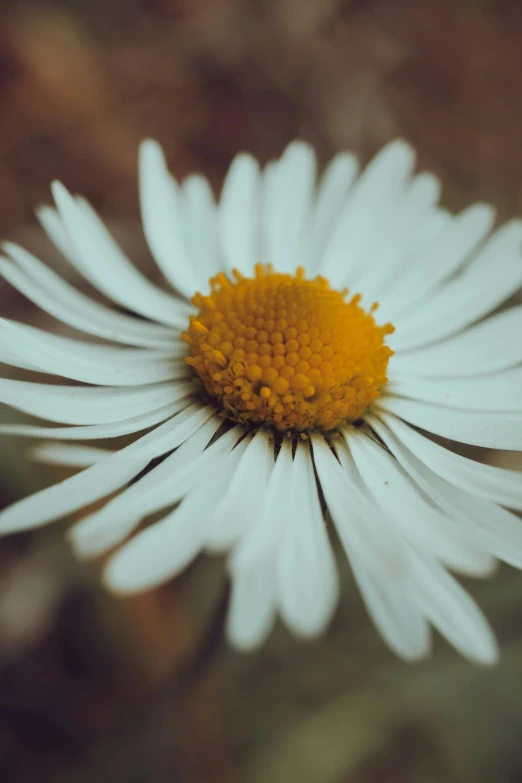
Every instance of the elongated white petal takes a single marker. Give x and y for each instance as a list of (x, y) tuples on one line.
[(494, 430), (68, 454), (439, 261), (394, 612), (436, 222), (53, 226), (498, 530), (418, 521), (239, 218), (13, 360), (362, 527), (190, 477), (492, 278), (95, 364), (267, 531), (447, 605), (502, 392), (83, 405), (334, 186), (395, 244), (252, 608), (159, 553), (102, 351), (201, 228), (488, 347), (162, 216), (98, 431), (291, 195), (99, 259), (308, 583), (61, 499), (238, 510), (101, 531), (102, 478), (268, 209), (376, 188), (51, 293), (143, 297), (498, 484)]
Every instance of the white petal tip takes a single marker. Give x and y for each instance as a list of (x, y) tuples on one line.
[(119, 580), (488, 656), (84, 548), (242, 643), (151, 154), (18, 526), (60, 193), (9, 247), (299, 145), (244, 160)]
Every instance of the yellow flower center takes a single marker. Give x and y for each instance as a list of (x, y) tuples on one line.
[(290, 353)]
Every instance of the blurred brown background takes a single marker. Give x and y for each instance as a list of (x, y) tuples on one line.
[(144, 690)]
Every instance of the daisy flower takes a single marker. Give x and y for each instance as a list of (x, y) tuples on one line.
[(281, 407)]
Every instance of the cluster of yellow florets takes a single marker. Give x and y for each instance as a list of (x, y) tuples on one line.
[(291, 353)]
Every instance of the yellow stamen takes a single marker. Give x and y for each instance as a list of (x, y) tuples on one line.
[(291, 353)]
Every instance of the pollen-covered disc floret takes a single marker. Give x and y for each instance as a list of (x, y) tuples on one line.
[(291, 353)]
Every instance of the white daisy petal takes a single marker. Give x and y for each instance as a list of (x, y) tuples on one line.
[(190, 477), (482, 349), (364, 532), (376, 188), (268, 209), (334, 186), (239, 221), (102, 478), (497, 529), (492, 278), (238, 510), (436, 222), (494, 430), (47, 290), (308, 584), (159, 553), (252, 606), (292, 190), (267, 531), (99, 532), (13, 360), (498, 484), (98, 431), (447, 605), (394, 612), (502, 392), (61, 499), (440, 260), (67, 454), (52, 224), (418, 521), (82, 405), (201, 228), (162, 216), (89, 363), (392, 251), (98, 258)]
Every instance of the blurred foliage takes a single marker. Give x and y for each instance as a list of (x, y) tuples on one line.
[(92, 688)]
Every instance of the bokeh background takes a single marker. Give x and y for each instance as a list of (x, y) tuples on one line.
[(93, 688)]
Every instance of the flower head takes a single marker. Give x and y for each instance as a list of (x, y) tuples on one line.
[(279, 402)]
